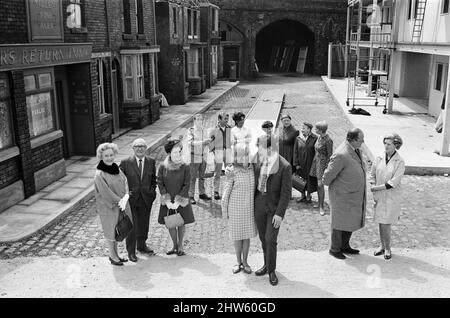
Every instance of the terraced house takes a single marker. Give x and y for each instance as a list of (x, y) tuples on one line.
[(73, 74)]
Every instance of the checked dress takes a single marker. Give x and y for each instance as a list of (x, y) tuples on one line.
[(238, 202)]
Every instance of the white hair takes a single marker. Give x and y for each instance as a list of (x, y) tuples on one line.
[(139, 141), (105, 146)]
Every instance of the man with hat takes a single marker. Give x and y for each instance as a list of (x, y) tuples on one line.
[(141, 175)]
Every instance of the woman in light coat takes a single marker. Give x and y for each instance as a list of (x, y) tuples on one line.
[(111, 194), (386, 174)]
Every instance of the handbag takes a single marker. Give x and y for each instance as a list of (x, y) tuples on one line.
[(298, 183), (173, 220), (123, 227)]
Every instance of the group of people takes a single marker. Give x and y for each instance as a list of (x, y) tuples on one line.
[(257, 188)]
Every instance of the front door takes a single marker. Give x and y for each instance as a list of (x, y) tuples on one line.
[(63, 110)]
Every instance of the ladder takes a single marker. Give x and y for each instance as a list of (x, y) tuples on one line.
[(418, 20)]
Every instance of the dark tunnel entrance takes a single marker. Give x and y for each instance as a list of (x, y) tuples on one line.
[(285, 46)]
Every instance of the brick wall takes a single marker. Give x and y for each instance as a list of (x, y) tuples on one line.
[(47, 154), (9, 172), (13, 22)]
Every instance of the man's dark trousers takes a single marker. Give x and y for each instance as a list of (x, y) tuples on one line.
[(267, 232), (340, 240), (141, 219)]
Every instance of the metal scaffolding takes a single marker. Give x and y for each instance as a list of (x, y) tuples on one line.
[(369, 51)]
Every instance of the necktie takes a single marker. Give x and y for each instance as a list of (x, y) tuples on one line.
[(140, 168), (358, 153), (265, 176)]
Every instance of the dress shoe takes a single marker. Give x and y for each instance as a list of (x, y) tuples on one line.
[(387, 255), (193, 201), (216, 196), (349, 251), (338, 255), (204, 196), (133, 258), (146, 250), (273, 279), (262, 271), (379, 252), (123, 260), (119, 263)]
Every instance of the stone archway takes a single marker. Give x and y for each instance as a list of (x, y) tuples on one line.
[(283, 39)]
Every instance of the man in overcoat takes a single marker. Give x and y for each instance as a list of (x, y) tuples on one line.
[(345, 177), (273, 179), (141, 175)]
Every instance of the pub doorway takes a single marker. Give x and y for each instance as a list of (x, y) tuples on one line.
[(63, 104)]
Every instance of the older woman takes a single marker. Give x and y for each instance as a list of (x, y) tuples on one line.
[(173, 183), (111, 194), (304, 154), (324, 150), (386, 174), (286, 138), (238, 203)]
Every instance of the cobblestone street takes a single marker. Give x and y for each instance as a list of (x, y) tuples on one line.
[(425, 221)]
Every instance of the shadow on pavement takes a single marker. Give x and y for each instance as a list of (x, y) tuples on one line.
[(398, 267), (138, 276), (286, 288)]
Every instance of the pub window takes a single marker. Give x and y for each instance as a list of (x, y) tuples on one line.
[(100, 86), (439, 74), (445, 6), (76, 14), (192, 63), (174, 20), (133, 77), (39, 90), (139, 17), (6, 134), (189, 23), (195, 24)]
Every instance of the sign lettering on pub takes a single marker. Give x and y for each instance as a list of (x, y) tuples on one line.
[(45, 20), (12, 57)]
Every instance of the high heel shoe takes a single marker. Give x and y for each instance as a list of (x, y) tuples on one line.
[(387, 255), (119, 263), (379, 252)]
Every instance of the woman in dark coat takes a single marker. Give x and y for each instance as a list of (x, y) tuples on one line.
[(173, 183), (287, 137), (304, 153)]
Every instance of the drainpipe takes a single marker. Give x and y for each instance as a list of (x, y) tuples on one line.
[(394, 35)]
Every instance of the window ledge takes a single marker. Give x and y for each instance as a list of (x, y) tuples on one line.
[(141, 103), (141, 36), (105, 117), (79, 30), (127, 36), (9, 153), (194, 79), (45, 139)]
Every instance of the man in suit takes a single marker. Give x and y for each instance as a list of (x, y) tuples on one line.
[(345, 177), (221, 147), (141, 175), (273, 191)]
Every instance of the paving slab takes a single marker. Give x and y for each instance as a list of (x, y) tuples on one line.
[(420, 140)]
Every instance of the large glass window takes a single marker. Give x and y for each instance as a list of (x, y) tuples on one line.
[(39, 89), (214, 60), (174, 20), (189, 23), (6, 135), (195, 24), (76, 14), (139, 17), (133, 70), (192, 61)]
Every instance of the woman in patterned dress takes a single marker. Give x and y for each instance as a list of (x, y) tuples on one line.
[(324, 150), (238, 203)]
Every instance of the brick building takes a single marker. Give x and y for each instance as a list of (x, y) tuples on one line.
[(182, 59), (72, 72), (255, 30), (209, 34)]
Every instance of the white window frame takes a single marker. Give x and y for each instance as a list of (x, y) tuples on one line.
[(195, 21), (136, 77), (193, 63), (443, 78), (215, 25), (189, 22), (100, 85), (76, 18), (410, 10)]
